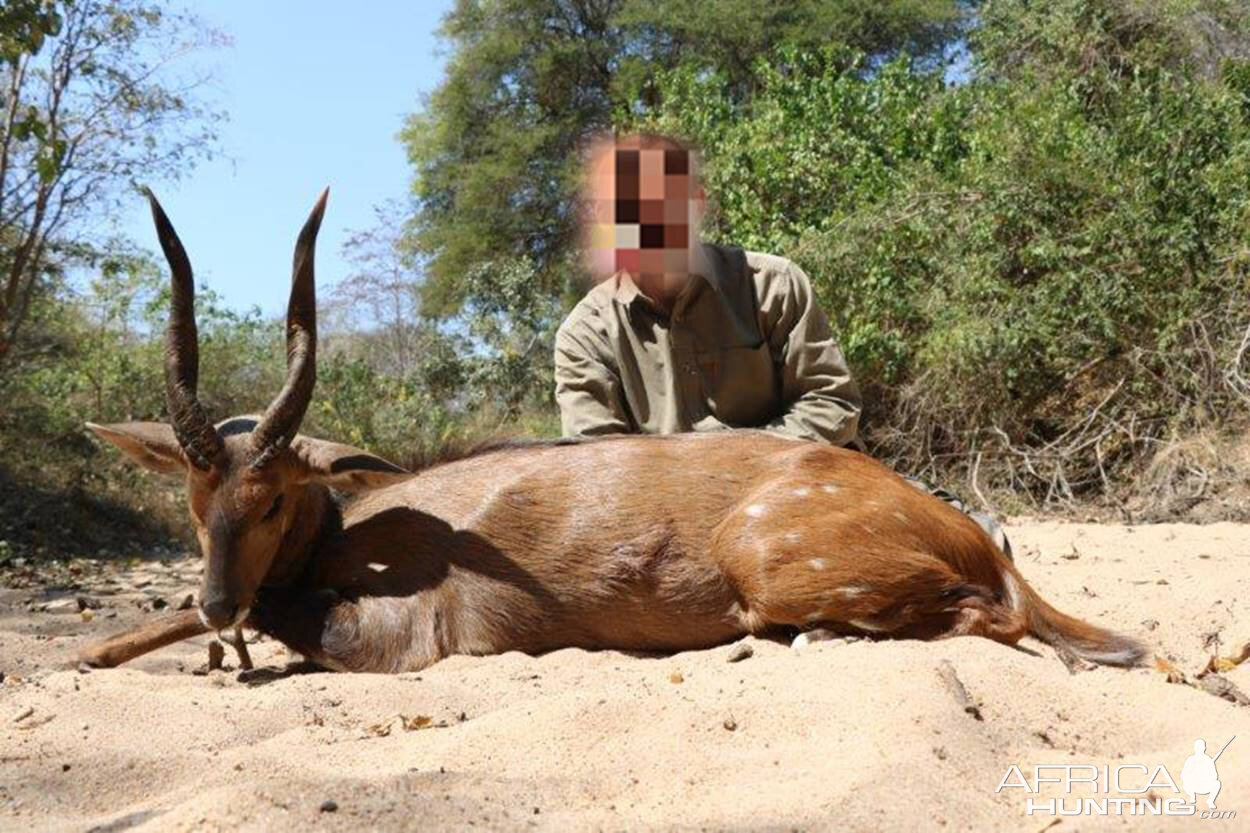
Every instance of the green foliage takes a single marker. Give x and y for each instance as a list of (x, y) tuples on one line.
[(1040, 275), (98, 357), (24, 27), (482, 374), (494, 152), (1063, 233), (511, 319), (87, 112)]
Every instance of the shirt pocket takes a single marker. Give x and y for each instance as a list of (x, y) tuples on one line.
[(739, 383)]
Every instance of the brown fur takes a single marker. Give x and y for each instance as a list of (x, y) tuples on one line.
[(635, 543)]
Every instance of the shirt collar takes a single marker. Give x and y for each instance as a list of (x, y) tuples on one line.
[(703, 268)]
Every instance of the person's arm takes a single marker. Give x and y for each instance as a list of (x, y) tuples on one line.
[(822, 402), (588, 391)]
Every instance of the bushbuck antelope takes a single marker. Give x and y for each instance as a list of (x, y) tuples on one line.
[(633, 543)]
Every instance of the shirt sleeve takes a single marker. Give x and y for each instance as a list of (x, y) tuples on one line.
[(588, 390), (820, 399)]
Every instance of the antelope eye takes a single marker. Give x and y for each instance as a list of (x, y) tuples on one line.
[(273, 510)]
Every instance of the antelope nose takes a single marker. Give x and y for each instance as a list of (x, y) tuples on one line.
[(218, 612)]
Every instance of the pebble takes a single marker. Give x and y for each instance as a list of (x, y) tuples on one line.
[(740, 652), (329, 806)]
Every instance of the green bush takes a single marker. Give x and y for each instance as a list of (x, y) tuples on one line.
[(1044, 269)]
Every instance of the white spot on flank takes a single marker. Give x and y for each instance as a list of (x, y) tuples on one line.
[(756, 510), (900, 516), (853, 590), (866, 626), (817, 563), (830, 488), (378, 568), (802, 491), (793, 536)]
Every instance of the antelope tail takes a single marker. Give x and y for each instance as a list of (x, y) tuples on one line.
[(1056, 628)]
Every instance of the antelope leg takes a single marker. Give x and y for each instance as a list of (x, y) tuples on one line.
[(239, 644), (127, 645)]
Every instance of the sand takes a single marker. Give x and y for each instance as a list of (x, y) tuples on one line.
[(859, 735)]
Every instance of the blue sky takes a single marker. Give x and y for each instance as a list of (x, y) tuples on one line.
[(315, 93)]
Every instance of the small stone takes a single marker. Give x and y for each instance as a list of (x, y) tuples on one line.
[(329, 806), (159, 604), (676, 678), (187, 602), (730, 723), (86, 603), (740, 652), (64, 767)]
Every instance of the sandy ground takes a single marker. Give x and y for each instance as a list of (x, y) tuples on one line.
[(860, 736)]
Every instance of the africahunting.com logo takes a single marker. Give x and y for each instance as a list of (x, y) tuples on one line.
[(1122, 790)]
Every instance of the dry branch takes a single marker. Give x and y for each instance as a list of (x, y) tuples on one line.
[(125, 646)]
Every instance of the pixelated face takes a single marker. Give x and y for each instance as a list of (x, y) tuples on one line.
[(644, 205)]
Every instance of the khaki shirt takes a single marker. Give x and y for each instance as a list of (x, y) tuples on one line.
[(746, 346)]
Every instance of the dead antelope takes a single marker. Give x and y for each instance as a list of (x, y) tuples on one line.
[(632, 543)]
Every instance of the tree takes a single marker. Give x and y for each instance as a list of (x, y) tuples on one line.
[(89, 110), (381, 297), (24, 25), (1040, 274), (494, 150)]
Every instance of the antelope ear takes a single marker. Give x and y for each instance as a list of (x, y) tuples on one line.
[(343, 466), (150, 444)]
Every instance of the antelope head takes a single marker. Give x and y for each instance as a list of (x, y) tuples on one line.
[(256, 488)]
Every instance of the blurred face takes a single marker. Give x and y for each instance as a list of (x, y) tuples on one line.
[(644, 203)]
